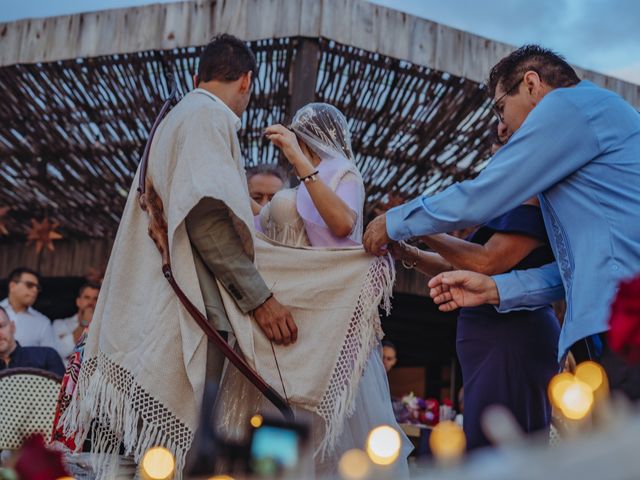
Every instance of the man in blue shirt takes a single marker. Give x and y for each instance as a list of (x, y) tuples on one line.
[(12, 355), (577, 147)]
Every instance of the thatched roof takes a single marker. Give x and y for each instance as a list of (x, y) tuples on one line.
[(81, 92), (74, 129)]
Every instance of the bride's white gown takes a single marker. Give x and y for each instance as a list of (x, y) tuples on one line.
[(281, 222)]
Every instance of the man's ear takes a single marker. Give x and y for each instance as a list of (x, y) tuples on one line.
[(533, 84), (196, 80), (245, 84)]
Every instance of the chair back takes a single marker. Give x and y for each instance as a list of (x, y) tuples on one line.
[(28, 399)]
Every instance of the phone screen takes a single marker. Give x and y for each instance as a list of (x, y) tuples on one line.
[(274, 449)]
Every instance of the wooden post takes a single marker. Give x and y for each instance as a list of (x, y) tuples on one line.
[(302, 81), (304, 73)]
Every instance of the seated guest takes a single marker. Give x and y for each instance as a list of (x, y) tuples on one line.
[(389, 355), (264, 182), (69, 330), (15, 356), (33, 329)]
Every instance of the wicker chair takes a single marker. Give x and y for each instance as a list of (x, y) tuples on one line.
[(28, 399)]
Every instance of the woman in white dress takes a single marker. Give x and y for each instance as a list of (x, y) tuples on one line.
[(325, 211)]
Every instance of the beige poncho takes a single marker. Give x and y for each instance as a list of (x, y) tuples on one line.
[(142, 378), (333, 295)]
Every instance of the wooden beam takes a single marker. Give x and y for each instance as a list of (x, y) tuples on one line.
[(304, 73), (190, 23), (302, 85), (71, 258)]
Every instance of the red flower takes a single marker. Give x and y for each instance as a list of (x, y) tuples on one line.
[(36, 462), (624, 324)]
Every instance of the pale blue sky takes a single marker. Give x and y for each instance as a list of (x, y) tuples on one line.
[(601, 35)]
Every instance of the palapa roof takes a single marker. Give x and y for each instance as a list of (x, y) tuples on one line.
[(81, 92)]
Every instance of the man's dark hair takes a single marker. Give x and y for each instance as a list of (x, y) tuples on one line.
[(16, 273), (387, 343), (86, 285), (226, 58), (266, 170), (2, 310), (552, 68)]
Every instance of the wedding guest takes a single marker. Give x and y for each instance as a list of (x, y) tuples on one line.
[(489, 343), (69, 330), (13, 355), (32, 327), (264, 182), (577, 147), (389, 355)]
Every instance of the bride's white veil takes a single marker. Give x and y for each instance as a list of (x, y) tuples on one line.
[(324, 129)]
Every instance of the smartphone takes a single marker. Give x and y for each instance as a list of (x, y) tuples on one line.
[(275, 446)]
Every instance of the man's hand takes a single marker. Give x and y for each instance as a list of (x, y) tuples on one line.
[(86, 316), (376, 238), (276, 322), (461, 288)]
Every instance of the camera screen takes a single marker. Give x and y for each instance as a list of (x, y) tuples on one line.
[(273, 450)]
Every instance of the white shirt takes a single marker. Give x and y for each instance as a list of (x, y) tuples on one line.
[(63, 330), (33, 329), (236, 118)]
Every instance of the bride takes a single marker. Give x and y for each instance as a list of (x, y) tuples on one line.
[(324, 211)]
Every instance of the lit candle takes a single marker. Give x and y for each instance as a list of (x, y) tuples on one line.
[(157, 464), (354, 465), (447, 442), (383, 445)]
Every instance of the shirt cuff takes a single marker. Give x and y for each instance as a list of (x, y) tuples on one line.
[(510, 294), (398, 222), (256, 300)]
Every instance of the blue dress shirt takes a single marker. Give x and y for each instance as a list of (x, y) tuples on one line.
[(579, 151)]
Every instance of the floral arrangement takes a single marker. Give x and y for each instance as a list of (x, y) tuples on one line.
[(415, 410), (34, 461), (624, 333)]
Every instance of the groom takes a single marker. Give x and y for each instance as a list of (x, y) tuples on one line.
[(146, 361), (224, 78)]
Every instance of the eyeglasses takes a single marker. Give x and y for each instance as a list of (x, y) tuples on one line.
[(497, 111), (31, 285)]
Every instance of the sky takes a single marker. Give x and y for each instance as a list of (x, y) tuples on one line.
[(600, 35)]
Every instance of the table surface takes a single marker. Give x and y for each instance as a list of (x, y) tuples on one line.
[(414, 429)]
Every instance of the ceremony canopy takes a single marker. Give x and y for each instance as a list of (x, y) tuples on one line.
[(81, 92)]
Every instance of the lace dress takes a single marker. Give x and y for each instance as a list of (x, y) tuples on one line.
[(290, 219), (279, 220)]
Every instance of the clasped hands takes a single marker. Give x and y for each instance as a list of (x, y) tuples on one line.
[(449, 290)]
